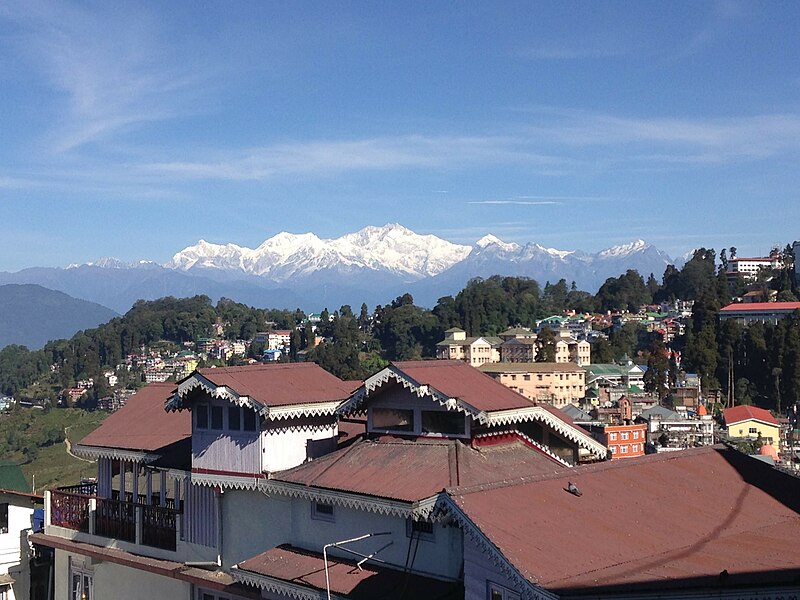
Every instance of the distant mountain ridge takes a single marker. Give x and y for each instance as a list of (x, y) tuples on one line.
[(373, 265), (32, 315)]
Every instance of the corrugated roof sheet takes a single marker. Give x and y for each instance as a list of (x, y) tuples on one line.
[(305, 568), (282, 384), (143, 424), (761, 306), (740, 516), (530, 367), (740, 413), (457, 379), (411, 470)]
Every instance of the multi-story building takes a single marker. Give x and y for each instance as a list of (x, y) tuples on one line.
[(246, 488), (758, 312), (751, 422), (748, 268), (558, 384), (668, 430), (626, 440), (474, 351)]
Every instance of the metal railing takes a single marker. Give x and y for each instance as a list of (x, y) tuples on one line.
[(135, 522), (115, 519), (70, 510)]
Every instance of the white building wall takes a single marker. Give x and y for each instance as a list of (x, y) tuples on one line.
[(254, 523), (479, 572), (113, 581), (14, 550), (286, 447)]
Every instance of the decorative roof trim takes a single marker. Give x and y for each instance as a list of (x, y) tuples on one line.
[(291, 411), (278, 586), (541, 447), (274, 413), (537, 413), (235, 482), (363, 502), (530, 590), (392, 373), (96, 452)]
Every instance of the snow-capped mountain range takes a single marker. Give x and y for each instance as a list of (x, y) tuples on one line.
[(392, 248), (373, 265)]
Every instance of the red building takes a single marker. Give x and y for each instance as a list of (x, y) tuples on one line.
[(623, 441)]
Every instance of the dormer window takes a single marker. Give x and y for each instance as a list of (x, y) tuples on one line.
[(216, 418), (392, 419), (416, 421), (201, 416)]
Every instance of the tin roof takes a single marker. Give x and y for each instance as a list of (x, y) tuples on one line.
[(280, 384), (761, 307), (531, 367), (740, 413), (743, 521), (143, 424), (304, 568), (411, 470), (457, 379)]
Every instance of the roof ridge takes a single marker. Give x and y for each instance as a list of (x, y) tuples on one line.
[(584, 469)]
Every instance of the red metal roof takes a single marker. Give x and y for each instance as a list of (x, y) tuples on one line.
[(457, 379), (761, 306), (143, 424), (282, 384), (740, 413), (741, 517), (307, 569), (411, 470)]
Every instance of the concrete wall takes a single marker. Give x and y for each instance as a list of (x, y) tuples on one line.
[(479, 572), (254, 523), (14, 549), (289, 444), (116, 581)]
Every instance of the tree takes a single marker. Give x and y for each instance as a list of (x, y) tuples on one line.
[(655, 378), (602, 351), (546, 346)]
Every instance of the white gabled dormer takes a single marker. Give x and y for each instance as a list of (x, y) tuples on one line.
[(250, 421)]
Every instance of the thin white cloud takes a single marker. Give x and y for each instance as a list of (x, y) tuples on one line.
[(588, 46), (110, 69), (517, 202), (331, 157)]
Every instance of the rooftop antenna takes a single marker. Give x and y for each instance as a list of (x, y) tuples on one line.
[(341, 544)]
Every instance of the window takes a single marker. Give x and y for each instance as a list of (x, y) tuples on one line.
[(513, 378), (201, 421), (623, 435), (393, 419), (250, 421), (636, 435), (498, 592), (81, 583), (424, 530), (234, 418), (4, 517), (443, 422), (216, 417), (322, 511), (612, 437), (526, 377), (623, 449), (753, 430)]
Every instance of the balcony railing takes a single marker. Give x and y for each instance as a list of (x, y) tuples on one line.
[(115, 519), (133, 522), (70, 510)]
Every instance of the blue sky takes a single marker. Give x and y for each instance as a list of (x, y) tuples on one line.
[(135, 129)]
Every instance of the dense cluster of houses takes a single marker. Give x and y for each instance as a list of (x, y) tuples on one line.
[(429, 479)]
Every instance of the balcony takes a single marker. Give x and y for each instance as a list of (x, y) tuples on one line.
[(78, 508)]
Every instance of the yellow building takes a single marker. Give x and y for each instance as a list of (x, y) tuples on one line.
[(748, 422), (558, 384)]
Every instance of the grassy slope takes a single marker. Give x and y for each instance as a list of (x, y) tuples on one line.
[(51, 465)]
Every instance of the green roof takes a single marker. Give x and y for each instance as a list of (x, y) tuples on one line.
[(11, 478), (635, 389)]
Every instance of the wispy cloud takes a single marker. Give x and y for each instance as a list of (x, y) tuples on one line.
[(337, 156), (111, 69), (586, 47), (517, 202), (719, 25)]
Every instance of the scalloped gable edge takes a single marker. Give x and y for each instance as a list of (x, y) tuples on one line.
[(445, 505), (290, 411)]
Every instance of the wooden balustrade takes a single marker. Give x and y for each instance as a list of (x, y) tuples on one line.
[(70, 510)]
